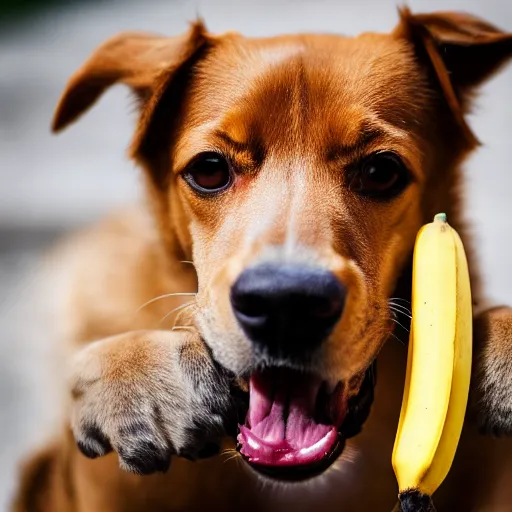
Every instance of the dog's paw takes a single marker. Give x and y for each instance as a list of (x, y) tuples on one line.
[(491, 397), (149, 395)]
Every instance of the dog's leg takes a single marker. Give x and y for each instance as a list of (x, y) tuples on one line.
[(492, 371), (149, 395)]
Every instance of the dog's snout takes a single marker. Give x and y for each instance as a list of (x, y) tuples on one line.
[(287, 308)]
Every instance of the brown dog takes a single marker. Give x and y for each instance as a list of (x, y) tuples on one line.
[(294, 172)]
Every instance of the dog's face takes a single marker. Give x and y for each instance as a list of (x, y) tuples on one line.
[(296, 172), (299, 168)]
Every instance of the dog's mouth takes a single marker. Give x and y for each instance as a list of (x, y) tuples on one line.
[(295, 426)]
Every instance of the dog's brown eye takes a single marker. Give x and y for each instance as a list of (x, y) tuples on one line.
[(381, 175), (208, 173)]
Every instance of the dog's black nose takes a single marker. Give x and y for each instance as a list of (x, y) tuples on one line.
[(287, 309)]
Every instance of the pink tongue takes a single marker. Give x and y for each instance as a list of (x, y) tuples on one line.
[(281, 429)]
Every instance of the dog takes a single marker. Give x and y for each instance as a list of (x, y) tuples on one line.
[(245, 308)]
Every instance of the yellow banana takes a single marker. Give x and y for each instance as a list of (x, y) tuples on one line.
[(438, 363)]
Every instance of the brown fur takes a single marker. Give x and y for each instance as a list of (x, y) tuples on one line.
[(291, 112)]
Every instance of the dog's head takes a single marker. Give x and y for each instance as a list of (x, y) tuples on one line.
[(295, 171)]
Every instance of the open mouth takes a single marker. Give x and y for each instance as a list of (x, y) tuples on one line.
[(295, 426)]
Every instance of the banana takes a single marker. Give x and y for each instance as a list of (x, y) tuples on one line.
[(438, 365)]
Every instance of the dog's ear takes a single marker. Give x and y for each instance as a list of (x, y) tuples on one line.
[(136, 59), (461, 50)]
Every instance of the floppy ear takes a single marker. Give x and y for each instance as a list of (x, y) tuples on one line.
[(461, 50), (136, 59)]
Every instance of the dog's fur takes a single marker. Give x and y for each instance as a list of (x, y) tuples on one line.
[(291, 113)]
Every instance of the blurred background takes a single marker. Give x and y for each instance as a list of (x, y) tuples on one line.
[(51, 185)]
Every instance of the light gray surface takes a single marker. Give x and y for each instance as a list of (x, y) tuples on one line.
[(51, 183)]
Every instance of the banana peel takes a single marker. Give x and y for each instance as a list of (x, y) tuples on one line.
[(438, 366)]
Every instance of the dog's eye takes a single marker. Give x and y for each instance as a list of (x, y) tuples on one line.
[(208, 173), (381, 175)]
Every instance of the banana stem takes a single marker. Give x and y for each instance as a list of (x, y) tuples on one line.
[(413, 500)]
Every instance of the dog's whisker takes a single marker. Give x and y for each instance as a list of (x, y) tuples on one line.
[(399, 299), (401, 306), (233, 456), (399, 309), (183, 306), (402, 312), (401, 325), (178, 316), (397, 322), (226, 460), (227, 450), (179, 294), (184, 328), (402, 342)]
